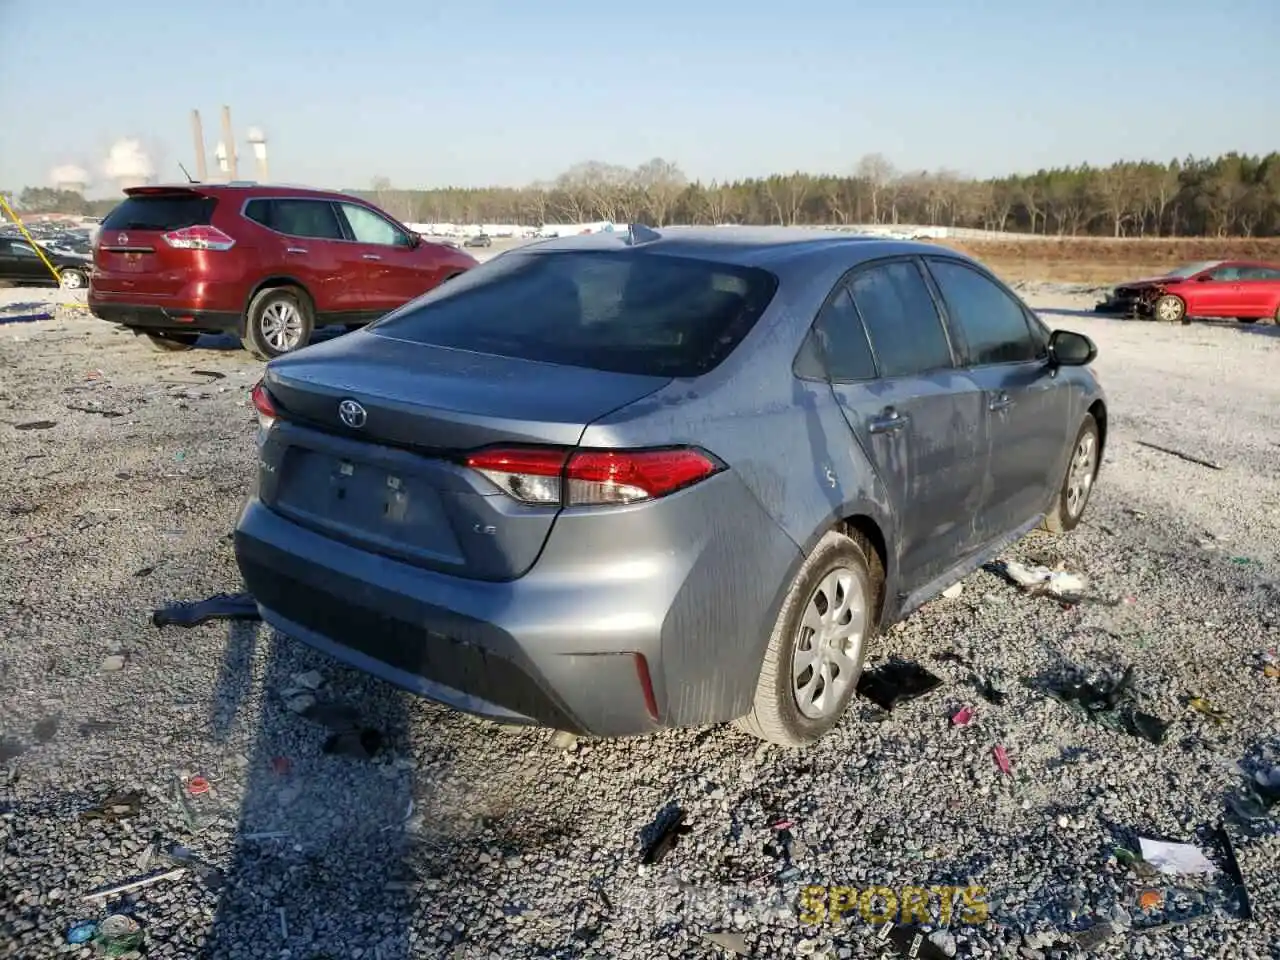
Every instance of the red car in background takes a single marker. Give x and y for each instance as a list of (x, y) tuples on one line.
[(1245, 290), (267, 264)]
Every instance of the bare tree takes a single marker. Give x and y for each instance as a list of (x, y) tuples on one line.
[(878, 173), (661, 183)]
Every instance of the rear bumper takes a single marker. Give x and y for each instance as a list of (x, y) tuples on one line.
[(671, 637), (150, 318)]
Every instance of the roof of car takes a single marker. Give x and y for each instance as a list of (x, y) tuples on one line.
[(747, 246), (236, 186)]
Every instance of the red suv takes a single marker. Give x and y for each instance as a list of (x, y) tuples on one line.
[(269, 264)]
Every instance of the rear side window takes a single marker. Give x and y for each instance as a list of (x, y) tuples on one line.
[(842, 341), (994, 324), (296, 218), (901, 319), (625, 312), (164, 211)]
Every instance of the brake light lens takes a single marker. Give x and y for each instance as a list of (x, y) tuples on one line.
[(198, 238), (265, 405), (551, 476)]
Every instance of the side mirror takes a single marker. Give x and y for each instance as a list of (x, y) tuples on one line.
[(1067, 349), (415, 241)]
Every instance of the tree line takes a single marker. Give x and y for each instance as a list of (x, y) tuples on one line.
[(1230, 195)]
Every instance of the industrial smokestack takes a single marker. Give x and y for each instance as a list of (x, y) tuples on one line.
[(229, 141), (197, 132)]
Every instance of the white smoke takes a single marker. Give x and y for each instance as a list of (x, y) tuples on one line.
[(128, 164), (69, 176)]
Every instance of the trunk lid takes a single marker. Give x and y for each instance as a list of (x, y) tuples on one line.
[(131, 253), (394, 484)]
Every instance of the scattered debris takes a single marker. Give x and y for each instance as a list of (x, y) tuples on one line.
[(113, 663), (911, 942), (962, 717), (188, 812), (1002, 760), (221, 606), (209, 875), (1110, 704), (987, 687), (665, 831), (117, 806), (1233, 870), (1270, 663), (1095, 936), (337, 717), (103, 893), (25, 317), (91, 727), (896, 682), (360, 744), (1202, 706), (82, 932), (1175, 858), (1150, 899), (728, 940), (109, 414), (1180, 455), (211, 374), (117, 935), (564, 740), (311, 680), (36, 425), (197, 786), (953, 591), (284, 924), (1037, 580), (144, 571)]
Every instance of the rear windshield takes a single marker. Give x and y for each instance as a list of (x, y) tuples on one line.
[(627, 312), (161, 212)]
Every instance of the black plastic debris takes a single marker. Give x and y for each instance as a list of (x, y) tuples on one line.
[(211, 374), (109, 414), (117, 806), (144, 571), (362, 744), (222, 606), (36, 425), (664, 832), (1233, 870), (1180, 455), (1112, 704), (988, 687), (896, 682), (912, 942)]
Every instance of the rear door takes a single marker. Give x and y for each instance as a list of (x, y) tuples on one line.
[(1026, 405), (397, 271), (917, 419), (132, 256), (307, 243), (1259, 292)]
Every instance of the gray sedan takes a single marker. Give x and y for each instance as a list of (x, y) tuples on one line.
[(650, 479)]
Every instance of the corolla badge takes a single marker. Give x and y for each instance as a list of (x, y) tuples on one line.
[(352, 414)]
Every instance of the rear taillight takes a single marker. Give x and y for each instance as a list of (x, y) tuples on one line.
[(266, 407), (556, 477), (198, 238)]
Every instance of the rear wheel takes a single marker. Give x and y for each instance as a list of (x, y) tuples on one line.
[(73, 279), (172, 342), (819, 642), (277, 322), (1171, 309), (1082, 471)]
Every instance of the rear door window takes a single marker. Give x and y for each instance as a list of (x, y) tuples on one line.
[(313, 219), (994, 325), (842, 341), (901, 319), (162, 211), (626, 311)]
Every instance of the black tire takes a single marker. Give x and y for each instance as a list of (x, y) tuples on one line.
[(775, 715), (264, 309), (1248, 319), (1170, 309), (172, 342), (73, 279), (1061, 518)]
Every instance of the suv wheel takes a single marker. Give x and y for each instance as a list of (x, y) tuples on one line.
[(278, 322), (1082, 470), (172, 342), (819, 642)]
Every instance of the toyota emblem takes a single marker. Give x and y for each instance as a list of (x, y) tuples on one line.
[(122, 239), (352, 414)]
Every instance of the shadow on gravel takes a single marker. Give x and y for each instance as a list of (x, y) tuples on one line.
[(319, 864), (226, 342)]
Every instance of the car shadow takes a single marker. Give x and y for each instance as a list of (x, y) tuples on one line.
[(1064, 312), (226, 342)]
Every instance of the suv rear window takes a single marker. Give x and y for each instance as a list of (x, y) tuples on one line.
[(625, 312), (165, 211)]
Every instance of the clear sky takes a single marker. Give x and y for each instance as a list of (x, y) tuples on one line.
[(511, 91)]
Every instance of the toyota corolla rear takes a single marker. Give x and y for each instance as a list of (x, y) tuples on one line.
[(424, 510), (165, 258)]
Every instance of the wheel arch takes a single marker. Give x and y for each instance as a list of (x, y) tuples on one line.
[(276, 282), (1098, 409)]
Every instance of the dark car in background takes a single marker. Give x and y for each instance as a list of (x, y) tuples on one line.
[(20, 263), (266, 264), (1248, 291), (612, 485)]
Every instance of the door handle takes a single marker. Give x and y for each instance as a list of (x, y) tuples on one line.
[(1002, 401), (296, 250), (370, 256), (889, 421)]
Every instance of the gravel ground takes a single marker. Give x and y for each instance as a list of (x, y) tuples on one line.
[(463, 839)]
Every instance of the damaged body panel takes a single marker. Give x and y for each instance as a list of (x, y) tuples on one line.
[(575, 486)]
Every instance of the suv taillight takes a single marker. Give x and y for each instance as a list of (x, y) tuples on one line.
[(551, 476), (198, 238)]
